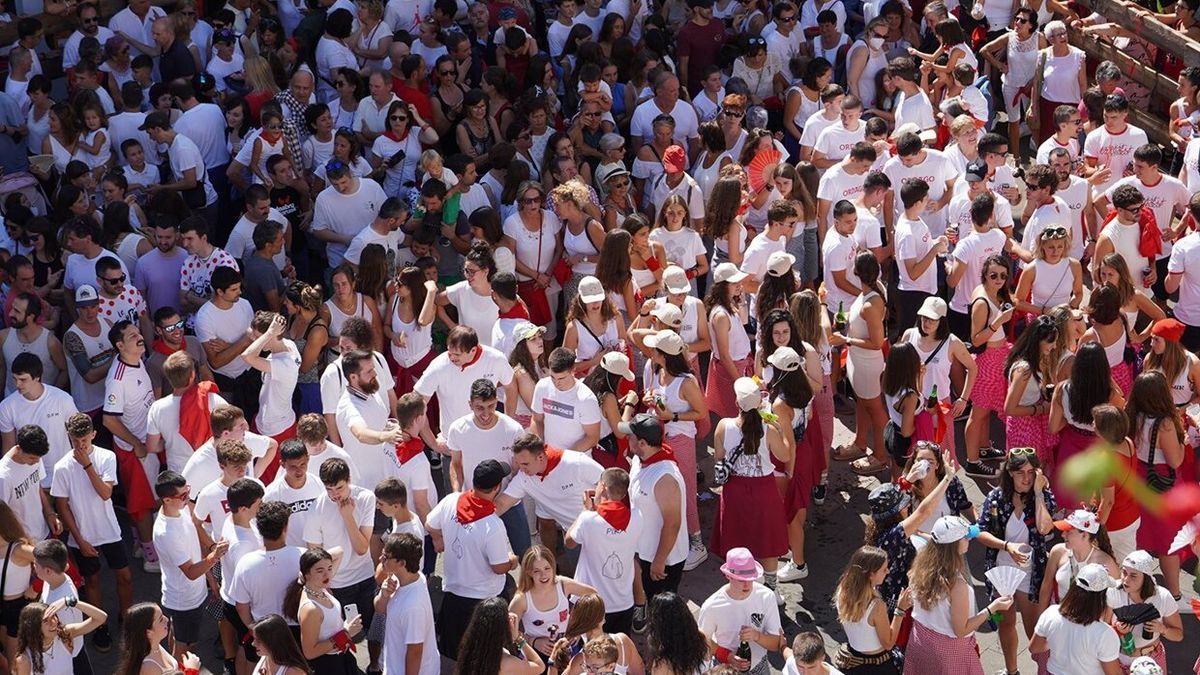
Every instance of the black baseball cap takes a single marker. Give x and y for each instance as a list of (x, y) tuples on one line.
[(156, 120), (645, 426), (488, 474)]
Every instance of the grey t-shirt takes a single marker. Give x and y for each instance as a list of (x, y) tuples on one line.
[(260, 276)]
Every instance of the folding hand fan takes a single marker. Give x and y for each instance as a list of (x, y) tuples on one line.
[(1006, 580)]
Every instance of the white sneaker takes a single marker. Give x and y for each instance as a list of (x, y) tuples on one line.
[(696, 555), (151, 567), (137, 551), (789, 572)]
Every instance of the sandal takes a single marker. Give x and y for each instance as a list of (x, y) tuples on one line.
[(867, 466), (848, 453)]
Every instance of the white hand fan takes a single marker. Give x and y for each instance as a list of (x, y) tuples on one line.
[(1006, 580)]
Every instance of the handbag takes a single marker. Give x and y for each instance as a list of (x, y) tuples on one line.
[(536, 300), (1158, 482), (195, 198)]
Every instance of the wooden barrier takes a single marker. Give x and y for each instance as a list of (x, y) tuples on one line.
[(57, 28)]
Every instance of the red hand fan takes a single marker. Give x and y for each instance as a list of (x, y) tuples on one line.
[(762, 167)]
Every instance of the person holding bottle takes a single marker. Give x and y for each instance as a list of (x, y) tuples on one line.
[(740, 620)]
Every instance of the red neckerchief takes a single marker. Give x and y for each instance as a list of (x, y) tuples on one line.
[(406, 450), (517, 311), (163, 348), (615, 514), (394, 137), (553, 457), (267, 137), (475, 358), (194, 424), (472, 507), (666, 454)]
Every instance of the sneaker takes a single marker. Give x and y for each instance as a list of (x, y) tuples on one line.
[(696, 555), (980, 470), (151, 567), (790, 572), (991, 452), (639, 619), (101, 639), (818, 493), (137, 551)]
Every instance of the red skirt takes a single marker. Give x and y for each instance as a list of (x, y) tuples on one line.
[(1029, 431), (406, 378), (718, 392), (139, 498), (1156, 533), (1122, 374), (991, 386), (1071, 441), (806, 470), (931, 653), (750, 516)]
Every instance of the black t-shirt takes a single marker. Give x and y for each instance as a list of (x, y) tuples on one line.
[(286, 200), (176, 62)]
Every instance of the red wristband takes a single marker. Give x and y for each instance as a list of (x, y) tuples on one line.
[(690, 273), (191, 671), (652, 264), (904, 484), (723, 655)]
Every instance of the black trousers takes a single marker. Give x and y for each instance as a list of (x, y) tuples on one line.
[(669, 583)]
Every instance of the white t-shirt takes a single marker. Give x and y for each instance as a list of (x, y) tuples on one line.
[(391, 242), (452, 383), (163, 419), (184, 155), (373, 461), (1054, 214), (1166, 605), (411, 601), (1166, 197), (972, 250), (241, 239), (82, 270), (935, 170), (836, 140), (683, 246), (721, 618), (20, 486), (333, 382), (959, 212), (94, 516), (275, 412), (202, 467), (913, 242), (915, 109), (1077, 196), (128, 394), (464, 436), (758, 251), (326, 528), (177, 543), (259, 582), (1185, 260), (686, 124), (229, 325), (1076, 649), (50, 412), (838, 184), (470, 550), (559, 494), (299, 502), (242, 541), (346, 214), (1114, 151), (477, 311), (566, 412), (534, 249), (1043, 152), (817, 123), (838, 253), (606, 557)]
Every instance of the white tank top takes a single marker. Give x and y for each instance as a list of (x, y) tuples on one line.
[(806, 109), (40, 347), (1142, 441), (739, 341), (418, 338), (57, 659), (1125, 240), (1116, 351), (641, 278), (860, 634), (1033, 388), (856, 327), (1052, 283), (589, 344), (268, 149), (127, 251), (1182, 388), (750, 465), (706, 178), (549, 623), (672, 398), (1066, 404), (337, 317), (937, 618), (892, 402), (331, 617), (17, 580), (579, 244), (866, 81), (1022, 60), (689, 330), (937, 368)]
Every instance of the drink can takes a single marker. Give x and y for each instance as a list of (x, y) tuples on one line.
[(1146, 277)]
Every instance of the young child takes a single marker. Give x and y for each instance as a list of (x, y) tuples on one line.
[(138, 172), (50, 565), (94, 141), (431, 165), (268, 143), (143, 74), (807, 656), (313, 431)]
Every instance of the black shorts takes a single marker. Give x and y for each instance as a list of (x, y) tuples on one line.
[(186, 623), (10, 614), (113, 554), (240, 630), (1159, 288)]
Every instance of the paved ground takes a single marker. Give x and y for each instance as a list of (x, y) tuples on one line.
[(835, 529)]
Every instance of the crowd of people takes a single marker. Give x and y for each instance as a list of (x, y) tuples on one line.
[(301, 297)]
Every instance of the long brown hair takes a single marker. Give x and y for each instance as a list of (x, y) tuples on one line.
[(29, 636), (578, 310), (1171, 362), (1124, 283), (135, 645), (372, 272), (273, 633), (11, 529), (724, 202), (587, 613), (613, 266), (854, 589), (934, 572), (291, 598), (535, 553), (1150, 399), (520, 356), (805, 307), (1081, 606)]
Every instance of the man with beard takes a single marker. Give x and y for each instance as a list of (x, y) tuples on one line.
[(1076, 192), (25, 335), (362, 418), (158, 271), (89, 352), (89, 26), (169, 338), (128, 395)]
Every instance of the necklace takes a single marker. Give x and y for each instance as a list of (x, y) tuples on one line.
[(314, 595)]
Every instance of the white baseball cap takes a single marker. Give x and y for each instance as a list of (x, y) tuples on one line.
[(1079, 519), (748, 394), (675, 280), (667, 313), (785, 359), (949, 529), (780, 263), (1145, 665), (1140, 561), (1094, 577), (729, 272), (666, 341), (617, 364), (933, 308), (591, 290)]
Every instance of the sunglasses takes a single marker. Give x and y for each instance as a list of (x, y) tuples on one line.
[(756, 42), (1018, 452), (398, 118), (927, 445), (993, 276), (1020, 20), (788, 19), (444, 73), (622, 183), (530, 200), (1054, 233), (88, 22), (172, 327), (115, 280), (733, 113)]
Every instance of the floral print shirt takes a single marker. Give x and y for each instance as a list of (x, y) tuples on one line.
[(993, 518)]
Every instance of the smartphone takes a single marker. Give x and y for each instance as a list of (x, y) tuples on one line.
[(351, 611)]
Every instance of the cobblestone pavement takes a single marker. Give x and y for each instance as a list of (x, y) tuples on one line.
[(835, 529)]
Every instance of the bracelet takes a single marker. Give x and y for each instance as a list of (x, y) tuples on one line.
[(520, 643), (87, 467)]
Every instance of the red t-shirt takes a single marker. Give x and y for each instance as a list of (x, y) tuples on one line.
[(416, 97), (700, 44)]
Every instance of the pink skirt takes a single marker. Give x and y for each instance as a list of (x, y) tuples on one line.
[(718, 392), (991, 386), (1071, 441), (1159, 655), (1122, 374), (1042, 660), (750, 516), (1030, 431), (931, 653), (806, 470)]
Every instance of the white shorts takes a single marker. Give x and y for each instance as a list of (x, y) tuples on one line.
[(1124, 540)]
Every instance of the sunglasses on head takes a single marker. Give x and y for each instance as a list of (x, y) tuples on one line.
[(1054, 233), (1022, 452), (334, 165)]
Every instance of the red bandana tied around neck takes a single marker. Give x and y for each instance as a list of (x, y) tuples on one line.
[(163, 348), (194, 424), (472, 507), (399, 139), (664, 455), (615, 514), (406, 450), (518, 311), (1149, 236), (474, 358), (553, 457)]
